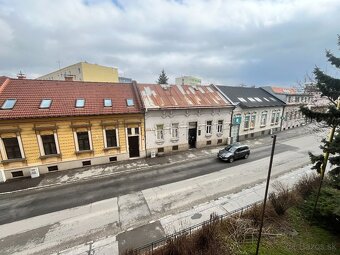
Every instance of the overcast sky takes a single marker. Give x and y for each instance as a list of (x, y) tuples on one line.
[(248, 42)]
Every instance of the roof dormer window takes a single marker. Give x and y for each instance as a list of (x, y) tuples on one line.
[(80, 103), (107, 102), (242, 99), (45, 103), (8, 104), (130, 102)]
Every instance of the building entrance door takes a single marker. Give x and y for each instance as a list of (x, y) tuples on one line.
[(192, 134), (133, 146)]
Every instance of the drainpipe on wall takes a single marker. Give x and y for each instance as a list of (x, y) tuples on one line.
[(283, 111), (233, 105), (141, 103)]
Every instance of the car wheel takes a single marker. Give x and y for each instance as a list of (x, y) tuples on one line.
[(246, 156), (231, 160)]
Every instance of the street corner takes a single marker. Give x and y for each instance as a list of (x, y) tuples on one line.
[(140, 236)]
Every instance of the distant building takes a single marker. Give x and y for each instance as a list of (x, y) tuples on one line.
[(188, 80), (293, 99), (124, 80), (84, 71), (318, 102)]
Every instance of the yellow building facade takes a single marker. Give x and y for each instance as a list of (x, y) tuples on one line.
[(49, 125), (84, 71), (68, 156)]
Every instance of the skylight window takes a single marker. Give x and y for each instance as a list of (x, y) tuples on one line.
[(273, 99), (45, 103), (107, 102), (251, 99), (130, 102), (80, 103), (257, 99), (266, 99), (242, 99), (8, 104)]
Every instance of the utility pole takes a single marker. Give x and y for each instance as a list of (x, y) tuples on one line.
[(324, 163), (266, 193)]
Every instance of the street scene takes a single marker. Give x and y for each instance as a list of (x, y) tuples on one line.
[(140, 207), (169, 127)]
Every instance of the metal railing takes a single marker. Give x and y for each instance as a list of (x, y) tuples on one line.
[(151, 247)]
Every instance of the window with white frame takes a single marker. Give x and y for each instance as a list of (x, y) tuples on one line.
[(174, 130), (246, 121), (83, 141), (220, 126), (253, 120), (160, 132), (273, 118), (12, 148), (111, 138), (208, 127), (49, 144), (277, 118), (264, 118)]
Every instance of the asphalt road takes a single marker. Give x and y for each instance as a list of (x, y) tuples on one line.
[(17, 206)]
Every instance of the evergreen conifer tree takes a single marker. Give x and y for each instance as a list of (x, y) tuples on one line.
[(163, 79), (330, 88)]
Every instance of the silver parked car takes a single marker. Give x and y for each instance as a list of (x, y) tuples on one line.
[(234, 151)]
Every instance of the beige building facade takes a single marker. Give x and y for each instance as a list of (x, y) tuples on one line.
[(84, 71)]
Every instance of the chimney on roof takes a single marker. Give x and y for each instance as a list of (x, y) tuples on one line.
[(21, 76), (68, 77)]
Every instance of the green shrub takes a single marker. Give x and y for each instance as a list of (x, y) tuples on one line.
[(327, 213)]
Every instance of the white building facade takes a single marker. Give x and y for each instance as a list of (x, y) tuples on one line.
[(183, 117), (257, 112), (257, 121), (292, 116)]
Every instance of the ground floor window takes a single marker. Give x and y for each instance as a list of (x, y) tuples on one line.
[(160, 132), (83, 141), (246, 121), (220, 126), (174, 130), (49, 144), (111, 138), (12, 148), (264, 118), (208, 127), (253, 120)]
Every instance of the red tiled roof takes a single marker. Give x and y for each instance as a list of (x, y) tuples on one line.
[(181, 96), (29, 94), (280, 90)]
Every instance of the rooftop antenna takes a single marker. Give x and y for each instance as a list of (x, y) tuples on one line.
[(21, 76), (58, 63)]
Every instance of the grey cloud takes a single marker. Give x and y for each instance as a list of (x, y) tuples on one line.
[(226, 42)]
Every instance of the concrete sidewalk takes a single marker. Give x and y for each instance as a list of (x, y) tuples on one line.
[(124, 167), (172, 223)]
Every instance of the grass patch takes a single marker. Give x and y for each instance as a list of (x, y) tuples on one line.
[(309, 240)]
